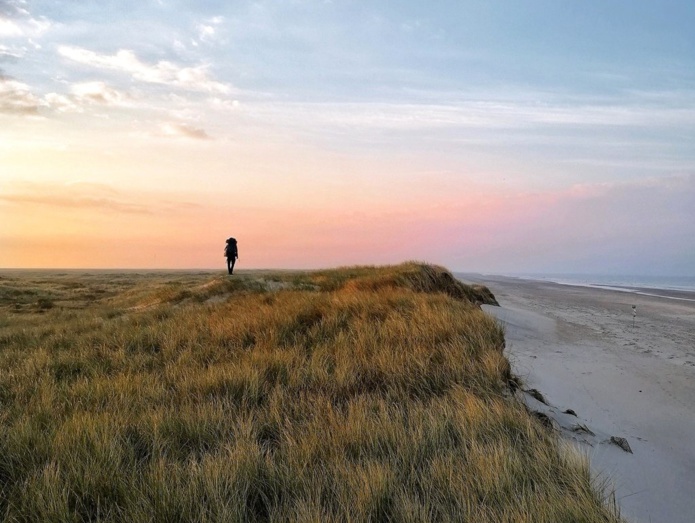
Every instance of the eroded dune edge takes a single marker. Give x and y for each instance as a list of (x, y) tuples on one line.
[(354, 394)]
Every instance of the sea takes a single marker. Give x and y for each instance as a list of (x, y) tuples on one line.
[(674, 287)]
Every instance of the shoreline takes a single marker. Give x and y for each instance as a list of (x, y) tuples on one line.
[(671, 292), (576, 345), (655, 292)]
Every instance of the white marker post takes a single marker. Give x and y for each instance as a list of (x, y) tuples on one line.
[(634, 315)]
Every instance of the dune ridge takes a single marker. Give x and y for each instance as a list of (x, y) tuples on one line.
[(355, 394)]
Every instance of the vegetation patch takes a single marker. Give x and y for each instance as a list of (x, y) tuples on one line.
[(355, 394)]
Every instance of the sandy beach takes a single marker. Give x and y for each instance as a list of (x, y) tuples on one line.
[(602, 377)]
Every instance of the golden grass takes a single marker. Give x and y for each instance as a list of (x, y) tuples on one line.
[(359, 394)]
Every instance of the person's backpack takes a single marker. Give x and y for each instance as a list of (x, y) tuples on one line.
[(230, 250)]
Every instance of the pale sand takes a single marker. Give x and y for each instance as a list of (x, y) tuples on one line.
[(577, 346)]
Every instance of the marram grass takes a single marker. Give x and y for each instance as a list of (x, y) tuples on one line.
[(357, 394)]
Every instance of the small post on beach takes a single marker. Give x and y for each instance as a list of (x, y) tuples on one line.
[(634, 315)]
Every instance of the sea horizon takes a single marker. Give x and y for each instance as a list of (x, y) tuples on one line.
[(617, 281)]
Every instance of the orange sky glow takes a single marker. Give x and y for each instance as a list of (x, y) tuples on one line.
[(325, 133)]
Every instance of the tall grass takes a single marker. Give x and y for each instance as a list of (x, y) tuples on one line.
[(359, 394)]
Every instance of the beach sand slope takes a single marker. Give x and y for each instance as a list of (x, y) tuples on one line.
[(578, 347)]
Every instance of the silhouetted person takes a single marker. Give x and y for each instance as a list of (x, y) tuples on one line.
[(232, 253)]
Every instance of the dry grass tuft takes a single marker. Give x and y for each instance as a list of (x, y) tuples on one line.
[(358, 394)]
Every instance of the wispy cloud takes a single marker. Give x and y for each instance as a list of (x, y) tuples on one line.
[(89, 196), (477, 114), (10, 54), (98, 93), (83, 95), (61, 103), (208, 31), (163, 72), (73, 196), (13, 9), (16, 98), (182, 130), (16, 20)]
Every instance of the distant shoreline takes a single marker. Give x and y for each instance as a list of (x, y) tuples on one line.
[(667, 292), (672, 294)]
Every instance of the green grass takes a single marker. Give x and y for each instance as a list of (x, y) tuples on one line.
[(357, 394)]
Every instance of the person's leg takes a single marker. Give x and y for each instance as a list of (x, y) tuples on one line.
[(231, 270), (230, 265)]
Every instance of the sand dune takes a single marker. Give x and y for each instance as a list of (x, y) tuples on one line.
[(578, 347)]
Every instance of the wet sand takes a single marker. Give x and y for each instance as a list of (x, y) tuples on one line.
[(579, 348)]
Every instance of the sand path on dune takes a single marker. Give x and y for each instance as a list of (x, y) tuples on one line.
[(578, 347)]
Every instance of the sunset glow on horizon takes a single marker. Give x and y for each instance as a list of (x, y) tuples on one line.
[(538, 137)]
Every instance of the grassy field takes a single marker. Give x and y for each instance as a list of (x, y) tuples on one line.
[(359, 394)]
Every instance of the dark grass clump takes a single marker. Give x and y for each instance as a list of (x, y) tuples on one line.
[(360, 394)]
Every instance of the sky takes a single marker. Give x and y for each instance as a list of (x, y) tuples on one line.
[(487, 136)]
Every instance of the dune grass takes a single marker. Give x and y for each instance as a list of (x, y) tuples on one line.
[(358, 394)]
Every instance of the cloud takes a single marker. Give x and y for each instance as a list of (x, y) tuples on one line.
[(9, 54), (223, 104), (74, 197), (85, 94), (16, 98), (75, 202), (163, 72), (13, 9), (61, 103), (16, 21), (98, 93), (208, 30), (205, 32), (91, 196), (477, 114), (182, 130)]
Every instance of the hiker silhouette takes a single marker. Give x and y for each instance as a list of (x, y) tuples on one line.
[(232, 254)]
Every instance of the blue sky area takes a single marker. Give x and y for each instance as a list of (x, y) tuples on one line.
[(572, 122)]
